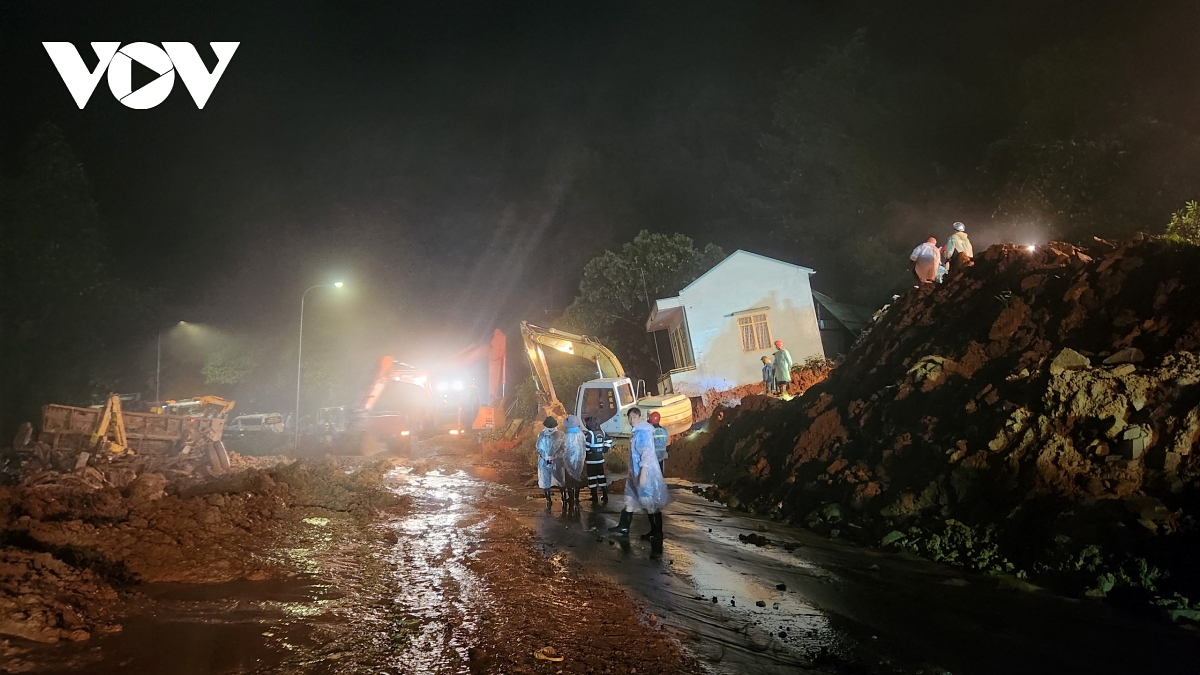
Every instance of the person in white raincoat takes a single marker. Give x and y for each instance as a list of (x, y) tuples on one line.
[(928, 258), (573, 454), (645, 488), (549, 445)]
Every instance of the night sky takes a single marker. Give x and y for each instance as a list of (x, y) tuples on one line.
[(457, 163)]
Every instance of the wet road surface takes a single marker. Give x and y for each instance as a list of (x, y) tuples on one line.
[(846, 608), (406, 594)]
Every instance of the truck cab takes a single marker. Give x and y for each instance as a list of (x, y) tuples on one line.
[(609, 399)]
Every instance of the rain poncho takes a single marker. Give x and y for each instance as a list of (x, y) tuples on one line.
[(958, 242), (645, 487), (769, 376), (573, 450), (928, 259), (549, 445), (782, 360)]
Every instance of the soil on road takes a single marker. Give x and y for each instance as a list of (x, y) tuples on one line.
[(476, 575)]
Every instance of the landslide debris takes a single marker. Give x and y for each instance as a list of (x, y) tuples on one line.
[(73, 540), (1036, 414)]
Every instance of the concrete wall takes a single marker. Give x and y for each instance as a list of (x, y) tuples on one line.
[(745, 281)]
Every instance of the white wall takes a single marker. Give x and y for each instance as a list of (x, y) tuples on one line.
[(745, 281)]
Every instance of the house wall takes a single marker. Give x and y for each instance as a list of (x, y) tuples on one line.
[(743, 282)]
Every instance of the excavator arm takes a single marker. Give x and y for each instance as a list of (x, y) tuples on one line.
[(536, 337)]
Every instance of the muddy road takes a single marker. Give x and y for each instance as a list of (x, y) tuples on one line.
[(476, 576)]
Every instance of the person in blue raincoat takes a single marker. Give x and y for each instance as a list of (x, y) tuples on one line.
[(549, 445), (645, 488), (573, 460)]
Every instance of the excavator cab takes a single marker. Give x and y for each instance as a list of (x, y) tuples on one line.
[(607, 399)]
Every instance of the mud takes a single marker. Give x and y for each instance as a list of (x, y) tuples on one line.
[(1035, 415), (72, 549)]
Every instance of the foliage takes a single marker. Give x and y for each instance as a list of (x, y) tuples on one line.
[(70, 330), (229, 365), (618, 286), (566, 380), (1185, 225)]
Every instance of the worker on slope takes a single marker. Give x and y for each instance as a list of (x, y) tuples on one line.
[(598, 444), (957, 243), (549, 444), (927, 259), (645, 488), (661, 438), (783, 367), (768, 372), (573, 460)]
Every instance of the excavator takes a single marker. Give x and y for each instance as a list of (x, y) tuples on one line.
[(396, 409), (201, 406), (606, 398)]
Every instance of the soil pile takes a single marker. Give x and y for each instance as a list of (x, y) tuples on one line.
[(72, 539), (1037, 413)]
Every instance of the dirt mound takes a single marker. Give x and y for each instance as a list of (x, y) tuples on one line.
[(71, 540), (1035, 414)]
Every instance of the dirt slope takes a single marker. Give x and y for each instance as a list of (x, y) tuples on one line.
[(1036, 414)]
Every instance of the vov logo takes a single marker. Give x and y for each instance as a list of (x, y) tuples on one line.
[(172, 57)]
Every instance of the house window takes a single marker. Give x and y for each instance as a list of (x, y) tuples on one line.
[(681, 347), (756, 334)]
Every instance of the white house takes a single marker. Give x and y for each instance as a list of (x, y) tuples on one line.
[(713, 335)]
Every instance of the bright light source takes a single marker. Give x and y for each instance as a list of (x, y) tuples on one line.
[(566, 349), (454, 432), (396, 378), (419, 380), (403, 433), (442, 386), (458, 385), (1031, 248), (338, 284)]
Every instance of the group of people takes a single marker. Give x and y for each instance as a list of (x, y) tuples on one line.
[(569, 459), (933, 262), (777, 370)]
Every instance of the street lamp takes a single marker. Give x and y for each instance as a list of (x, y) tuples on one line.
[(158, 362), (300, 357)]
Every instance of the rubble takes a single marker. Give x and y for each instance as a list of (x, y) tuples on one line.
[(75, 539), (1035, 414)]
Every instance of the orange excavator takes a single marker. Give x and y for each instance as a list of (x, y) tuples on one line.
[(405, 403), (396, 409)]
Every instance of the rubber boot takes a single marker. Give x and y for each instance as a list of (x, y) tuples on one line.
[(546, 494), (604, 496), (656, 523), (649, 533), (576, 496), (566, 497), (594, 500), (622, 528)]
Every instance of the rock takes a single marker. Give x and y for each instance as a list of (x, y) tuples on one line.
[(1123, 370), (1069, 359), (760, 603), (781, 587), (1127, 355), (147, 487), (774, 605), (837, 465)]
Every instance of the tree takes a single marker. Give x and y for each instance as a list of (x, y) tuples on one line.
[(1185, 224), (231, 364), (70, 329), (618, 287)]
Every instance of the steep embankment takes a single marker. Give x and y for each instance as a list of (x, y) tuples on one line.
[(1036, 413)]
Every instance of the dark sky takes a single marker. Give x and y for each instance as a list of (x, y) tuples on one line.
[(456, 163), (429, 153)]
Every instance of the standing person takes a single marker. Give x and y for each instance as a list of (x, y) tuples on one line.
[(573, 459), (661, 439), (927, 259), (549, 444), (645, 488), (768, 376), (598, 443), (783, 367), (958, 242)]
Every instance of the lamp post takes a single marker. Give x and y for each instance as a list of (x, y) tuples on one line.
[(300, 357), (158, 361)]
